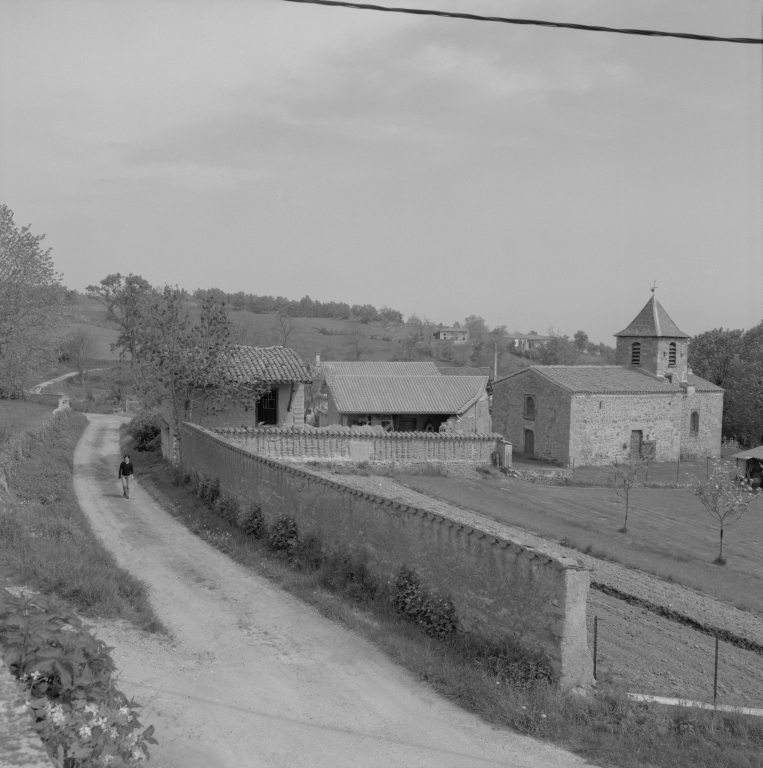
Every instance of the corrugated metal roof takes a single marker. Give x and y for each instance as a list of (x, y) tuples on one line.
[(375, 368), (252, 364), (653, 321), (455, 370), (405, 394), (750, 453), (610, 379)]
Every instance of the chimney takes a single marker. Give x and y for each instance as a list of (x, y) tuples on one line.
[(317, 358)]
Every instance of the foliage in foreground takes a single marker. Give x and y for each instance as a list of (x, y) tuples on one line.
[(67, 676)]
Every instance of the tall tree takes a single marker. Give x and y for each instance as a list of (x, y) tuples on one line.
[(712, 354), (185, 362), (559, 350), (123, 297), (581, 341), (31, 301)]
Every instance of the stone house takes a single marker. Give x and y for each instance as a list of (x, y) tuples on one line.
[(286, 376), (649, 404), (456, 335), (423, 403)]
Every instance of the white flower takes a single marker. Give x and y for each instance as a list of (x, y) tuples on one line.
[(34, 675), (91, 708), (108, 759), (84, 731), (113, 732), (137, 754), (124, 711), (542, 715)]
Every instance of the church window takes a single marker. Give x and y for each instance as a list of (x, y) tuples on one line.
[(636, 353), (694, 424), (529, 407), (672, 355)]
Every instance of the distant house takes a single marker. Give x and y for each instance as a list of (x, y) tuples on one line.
[(525, 341), (280, 368), (649, 404), (456, 335), (421, 403)]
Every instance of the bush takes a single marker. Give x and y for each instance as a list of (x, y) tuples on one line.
[(145, 429), (208, 490), (343, 573), (252, 522), (66, 674), (284, 537), (435, 615), (228, 508)]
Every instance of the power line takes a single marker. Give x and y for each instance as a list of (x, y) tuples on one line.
[(533, 22)]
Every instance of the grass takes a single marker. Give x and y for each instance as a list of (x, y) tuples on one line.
[(46, 541), (605, 728), (669, 532), (19, 415)]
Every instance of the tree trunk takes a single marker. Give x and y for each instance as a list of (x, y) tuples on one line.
[(720, 556)]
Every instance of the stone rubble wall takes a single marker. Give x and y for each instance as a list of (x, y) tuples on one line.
[(502, 591)]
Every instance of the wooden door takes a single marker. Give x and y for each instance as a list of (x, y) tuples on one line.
[(529, 442), (637, 437)]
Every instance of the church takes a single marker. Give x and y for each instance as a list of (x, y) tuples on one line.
[(648, 404)]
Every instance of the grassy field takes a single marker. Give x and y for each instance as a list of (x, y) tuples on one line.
[(46, 542), (669, 532), (605, 727), (19, 415)]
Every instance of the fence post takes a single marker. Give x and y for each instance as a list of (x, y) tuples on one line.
[(595, 643), (707, 469), (678, 468), (715, 674)]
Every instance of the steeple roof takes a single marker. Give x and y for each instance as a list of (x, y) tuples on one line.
[(653, 321)]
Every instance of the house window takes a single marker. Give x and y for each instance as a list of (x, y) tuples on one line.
[(672, 355), (694, 424), (529, 407), (636, 353)]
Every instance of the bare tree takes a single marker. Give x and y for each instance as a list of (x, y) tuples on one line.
[(81, 346), (622, 479), (355, 335), (244, 330), (283, 325), (725, 497)]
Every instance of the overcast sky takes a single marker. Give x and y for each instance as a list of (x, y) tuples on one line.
[(537, 177)]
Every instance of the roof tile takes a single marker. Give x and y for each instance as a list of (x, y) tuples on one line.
[(252, 364), (653, 321)]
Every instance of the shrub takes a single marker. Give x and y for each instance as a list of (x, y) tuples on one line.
[(208, 489), (435, 615), (228, 508), (283, 537), (252, 522), (343, 573), (66, 674), (146, 431)]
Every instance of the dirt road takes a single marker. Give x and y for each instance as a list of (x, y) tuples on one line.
[(253, 677)]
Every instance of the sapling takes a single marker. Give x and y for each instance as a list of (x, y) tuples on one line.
[(623, 477), (725, 496)]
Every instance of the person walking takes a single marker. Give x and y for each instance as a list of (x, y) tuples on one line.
[(125, 474)]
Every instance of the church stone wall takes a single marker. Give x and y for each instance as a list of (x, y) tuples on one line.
[(707, 442), (654, 354), (551, 424), (602, 426)]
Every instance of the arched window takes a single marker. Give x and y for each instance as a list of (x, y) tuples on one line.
[(529, 407), (636, 353), (694, 424), (672, 355)]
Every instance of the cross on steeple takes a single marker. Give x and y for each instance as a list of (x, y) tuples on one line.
[(654, 287)]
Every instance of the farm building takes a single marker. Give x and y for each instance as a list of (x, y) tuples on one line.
[(649, 404), (283, 404), (456, 335)]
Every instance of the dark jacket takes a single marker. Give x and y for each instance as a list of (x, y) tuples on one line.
[(125, 469)]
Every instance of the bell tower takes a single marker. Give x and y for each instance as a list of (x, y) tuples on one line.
[(654, 344)]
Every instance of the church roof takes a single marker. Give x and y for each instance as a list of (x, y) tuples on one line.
[(653, 321), (611, 379)]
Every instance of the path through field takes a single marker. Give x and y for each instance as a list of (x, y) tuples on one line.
[(253, 677)]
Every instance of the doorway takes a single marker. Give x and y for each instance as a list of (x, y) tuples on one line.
[(637, 438), (529, 443), (267, 408)]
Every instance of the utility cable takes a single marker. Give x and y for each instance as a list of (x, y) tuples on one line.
[(533, 22)]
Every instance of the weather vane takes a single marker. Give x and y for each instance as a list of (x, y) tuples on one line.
[(654, 287)]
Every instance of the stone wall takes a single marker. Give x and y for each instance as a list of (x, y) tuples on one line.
[(654, 354), (709, 406), (501, 590), (551, 425), (602, 425), (360, 444)]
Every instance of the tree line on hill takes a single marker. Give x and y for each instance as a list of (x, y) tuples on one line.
[(305, 307)]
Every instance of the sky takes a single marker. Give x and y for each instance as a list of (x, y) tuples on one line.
[(535, 177)]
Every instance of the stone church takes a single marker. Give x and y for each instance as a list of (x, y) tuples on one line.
[(649, 403)]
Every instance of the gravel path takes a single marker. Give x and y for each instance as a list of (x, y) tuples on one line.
[(250, 675)]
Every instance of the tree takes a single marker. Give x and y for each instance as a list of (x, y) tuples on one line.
[(476, 326), (712, 354), (355, 336), (31, 303), (581, 341), (623, 477), (559, 350), (80, 347), (123, 298), (185, 363), (283, 325), (725, 497), (417, 338)]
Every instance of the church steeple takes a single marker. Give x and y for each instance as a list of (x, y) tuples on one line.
[(654, 342)]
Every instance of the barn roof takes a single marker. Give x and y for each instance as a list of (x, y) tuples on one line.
[(750, 453), (653, 321), (376, 368), (405, 394), (253, 364), (462, 370), (610, 379)]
